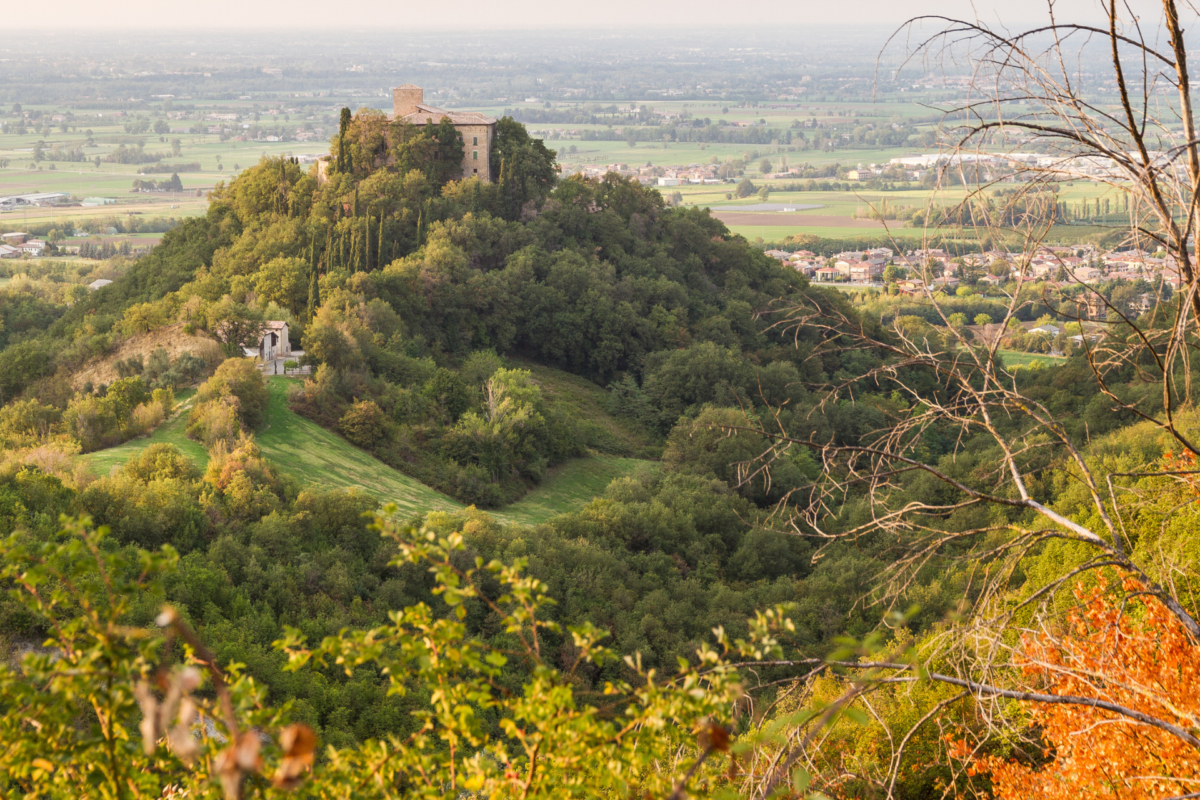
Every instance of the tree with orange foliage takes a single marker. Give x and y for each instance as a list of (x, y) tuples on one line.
[(1129, 653)]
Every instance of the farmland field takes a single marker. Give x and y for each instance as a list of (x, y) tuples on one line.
[(1013, 358), (98, 134)]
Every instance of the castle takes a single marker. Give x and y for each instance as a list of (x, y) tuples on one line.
[(478, 130)]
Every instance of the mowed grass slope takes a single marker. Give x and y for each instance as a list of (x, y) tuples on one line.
[(585, 402), (104, 462), (571, 486), (303, 450), (312, 455)]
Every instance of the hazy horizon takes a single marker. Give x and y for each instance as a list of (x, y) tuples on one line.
[(481, 16)]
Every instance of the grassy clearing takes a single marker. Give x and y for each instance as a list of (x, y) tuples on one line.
[(299, 448), (1014, 358), (312, 455), (571, 486), (584, 401), (305, 451), (104, 462)]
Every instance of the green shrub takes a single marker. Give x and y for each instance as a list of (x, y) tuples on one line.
[(364, 424), (240, 378)]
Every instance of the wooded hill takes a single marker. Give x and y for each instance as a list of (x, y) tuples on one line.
[(451, 325)]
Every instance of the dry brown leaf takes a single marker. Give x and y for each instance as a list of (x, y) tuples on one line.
[(299, 743), (235, 761), (713, 737)]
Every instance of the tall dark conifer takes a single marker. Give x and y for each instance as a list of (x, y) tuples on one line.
[(379, 249), (343, 126), (314, 295)]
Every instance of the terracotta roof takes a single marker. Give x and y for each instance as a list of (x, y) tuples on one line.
[(434, 114)]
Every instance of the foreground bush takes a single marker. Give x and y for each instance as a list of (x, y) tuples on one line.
[(125, 701)]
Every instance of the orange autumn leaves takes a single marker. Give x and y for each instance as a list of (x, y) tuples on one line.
[(1129, 651)]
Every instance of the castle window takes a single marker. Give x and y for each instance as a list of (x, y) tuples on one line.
[(475, 155), (475, 140)]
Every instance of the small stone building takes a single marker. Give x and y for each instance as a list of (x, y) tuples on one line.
[(272, 344)]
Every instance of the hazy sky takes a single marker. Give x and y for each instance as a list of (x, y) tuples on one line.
[(247, 15)]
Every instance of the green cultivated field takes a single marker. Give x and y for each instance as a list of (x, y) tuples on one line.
[(1014, 358), (306, 451), (220, 161), (303, 450)]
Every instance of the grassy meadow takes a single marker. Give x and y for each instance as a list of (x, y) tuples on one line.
[(571, 486), (1014, 358), (314, 456)]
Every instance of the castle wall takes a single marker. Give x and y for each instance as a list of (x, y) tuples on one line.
[(477, 149)]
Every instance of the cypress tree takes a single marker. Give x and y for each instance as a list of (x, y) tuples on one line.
[(379, 249), (342, 127), (314, 295), (420, 225), (503, 185), (367, 245)]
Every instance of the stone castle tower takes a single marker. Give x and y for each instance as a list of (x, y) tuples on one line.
[(406, 99), (478, 130)]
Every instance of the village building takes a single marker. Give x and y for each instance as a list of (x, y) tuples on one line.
[(99, 283), (1049, 328), (1092, 306)]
